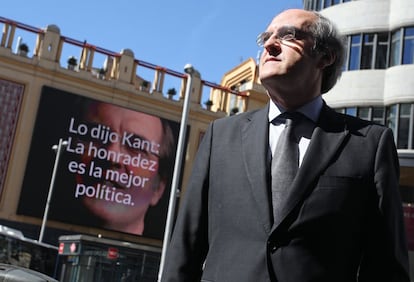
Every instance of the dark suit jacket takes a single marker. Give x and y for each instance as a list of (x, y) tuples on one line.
[(342, 220)]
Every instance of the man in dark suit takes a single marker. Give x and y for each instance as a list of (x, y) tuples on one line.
[(339, 220)]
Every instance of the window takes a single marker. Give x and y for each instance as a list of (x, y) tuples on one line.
[(367, 51), (364, 113), (236, 104), (395, 48), (403, 126), (327, 3), (408, 53), (355, 51), (378, 115), (351, 111), (318, 5), (391, 121), (381, 51)]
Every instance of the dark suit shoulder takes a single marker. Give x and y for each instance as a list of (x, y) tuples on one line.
[(234, 127), (242, 117), (355, 125)]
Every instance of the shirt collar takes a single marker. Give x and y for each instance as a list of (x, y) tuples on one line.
[(311, 110)]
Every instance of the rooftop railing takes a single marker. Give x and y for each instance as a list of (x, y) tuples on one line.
[(51, 46)]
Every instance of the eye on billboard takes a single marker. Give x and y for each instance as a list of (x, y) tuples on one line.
[(115, 172)]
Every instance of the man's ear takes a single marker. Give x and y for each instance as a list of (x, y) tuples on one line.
[(156, 196), (327, 58)]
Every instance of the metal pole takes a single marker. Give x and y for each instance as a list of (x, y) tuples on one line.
[(177, 167), (52, 184)]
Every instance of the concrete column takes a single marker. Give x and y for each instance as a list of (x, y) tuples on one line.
[(196, 92), (125, 70), (48, 44)]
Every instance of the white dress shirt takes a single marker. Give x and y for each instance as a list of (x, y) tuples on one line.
[(311, 110)]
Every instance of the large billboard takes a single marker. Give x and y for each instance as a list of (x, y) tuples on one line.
[(114, 173)]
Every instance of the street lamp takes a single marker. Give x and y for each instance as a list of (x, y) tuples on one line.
[(58, 150), (189, 69)]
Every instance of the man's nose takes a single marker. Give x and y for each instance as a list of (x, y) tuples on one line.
[(273, 46)]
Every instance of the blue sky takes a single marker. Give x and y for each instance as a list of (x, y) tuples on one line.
[(214, 36)]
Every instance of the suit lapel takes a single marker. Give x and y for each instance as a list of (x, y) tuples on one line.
[(255, 148), (327, 138)]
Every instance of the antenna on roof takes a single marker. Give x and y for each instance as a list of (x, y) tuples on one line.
[(19, 41), (259, 53)]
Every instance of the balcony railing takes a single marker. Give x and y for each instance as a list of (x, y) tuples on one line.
[(50, 45)]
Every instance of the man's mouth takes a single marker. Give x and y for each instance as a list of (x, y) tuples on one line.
[(272, 59)]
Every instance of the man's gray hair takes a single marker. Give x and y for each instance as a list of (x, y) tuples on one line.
[(328, 41)]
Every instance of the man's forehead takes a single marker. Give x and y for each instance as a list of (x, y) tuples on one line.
[(295, 17)]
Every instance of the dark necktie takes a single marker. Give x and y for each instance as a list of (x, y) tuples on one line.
[(285, 163)]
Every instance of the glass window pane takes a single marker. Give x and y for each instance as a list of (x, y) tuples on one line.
[(409, 31), (308, 5), (405, 110), (233, 101), (378, 115), (403, 126), (345, 65), (391, 121), (355, 52), (408, 54), (381, 52), (318, 5), (395, 48), (351, 111), (363, 113), (367, 50), (327, 3)]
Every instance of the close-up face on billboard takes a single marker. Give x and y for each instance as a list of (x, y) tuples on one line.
[(115, 171)]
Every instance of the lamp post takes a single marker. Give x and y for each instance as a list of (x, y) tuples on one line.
[(177, 165), (58, 150)]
